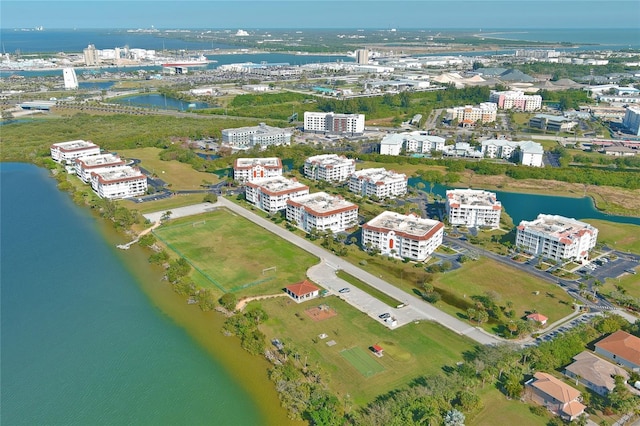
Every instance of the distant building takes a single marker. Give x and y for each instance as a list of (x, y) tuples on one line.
[(362, 56), (594, 372), (70, 78), (67, 152), (403, 236), (322, 212), (621, 347), (556, 237), (261, 135), (538, 318), (96, 164), (527, 153), (379, 183), (552, 123), (249, 169), (486, 112), (558, 397), (119, 183), (516, 100), (417, 141), (91, 56), (329, 122), (271, 194), (329, 167), (631, 120), (470, 207)]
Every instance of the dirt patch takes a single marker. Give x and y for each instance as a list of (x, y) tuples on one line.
[(321, 313)]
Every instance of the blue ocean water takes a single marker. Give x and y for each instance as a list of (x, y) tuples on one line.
[(81, 343)]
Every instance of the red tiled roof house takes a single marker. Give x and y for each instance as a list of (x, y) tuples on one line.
[(555, 395), (621, 347), (304, 290)]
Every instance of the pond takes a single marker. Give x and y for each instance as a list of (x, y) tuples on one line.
[(160, 102)]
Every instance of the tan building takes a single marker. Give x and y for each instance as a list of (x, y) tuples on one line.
[(558, 397), (594, 372), (622, 348)]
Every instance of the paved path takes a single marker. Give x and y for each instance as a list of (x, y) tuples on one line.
[(324, 274), (183, 211)]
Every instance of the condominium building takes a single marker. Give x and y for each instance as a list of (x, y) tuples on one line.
[(322, 212), (67, 152), (631, 120), (527, 153), (486, 112), (403, 236), (329, 122), (556, 237), (329, 167), (96, 164), (471, 207), (380, 183), (417, 141), (516, 100), (261, 135), (119, 183), (271, 194), (249, 169)]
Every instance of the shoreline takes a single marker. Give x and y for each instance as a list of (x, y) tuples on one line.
[(205, 328)]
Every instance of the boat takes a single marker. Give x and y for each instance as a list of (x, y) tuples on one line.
[(190, 62)]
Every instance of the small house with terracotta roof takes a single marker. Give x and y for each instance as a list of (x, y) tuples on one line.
[(621, 347), (377, 350), (539, 318), (304, 290), (555, 395)]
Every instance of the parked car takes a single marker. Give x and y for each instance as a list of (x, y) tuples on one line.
[(344, 290), (384, 316)]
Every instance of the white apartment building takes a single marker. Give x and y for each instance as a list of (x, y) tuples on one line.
[(271, 194), (556, 237), (486, 112), (527, 153), (96, 164), (322, 212), (119, 183), (67, 152), (378, 182), (249, 169), (416, 141), (631, 120), (261, 135), (470, 207), (516, 100), (330, 122), (329, 167), (409, 236)]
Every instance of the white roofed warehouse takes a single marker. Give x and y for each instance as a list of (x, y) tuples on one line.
[(249, 169), (405, 236), (322, 212), (329, 167), (380, 183), (471, 207), (271, 194), (67, 152), (556, 237)]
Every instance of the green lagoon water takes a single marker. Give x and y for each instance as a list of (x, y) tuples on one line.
[(81, 342)]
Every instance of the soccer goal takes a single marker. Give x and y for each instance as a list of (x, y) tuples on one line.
[(200, 222), (273, 268)]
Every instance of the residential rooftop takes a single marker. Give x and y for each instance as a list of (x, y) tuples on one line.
[(74, 145), (559, 227), (472, 197), (408, 225), (330, 160), (99, 160), (123, 173), (268, 162), (277, 185), (380, 175), (322, 204)]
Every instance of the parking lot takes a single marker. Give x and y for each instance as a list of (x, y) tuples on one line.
[(604, 267), (582, 319)]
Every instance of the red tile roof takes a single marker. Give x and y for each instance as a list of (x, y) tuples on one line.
[(302, 288), (537, 317), (554, 387), (622, 344)]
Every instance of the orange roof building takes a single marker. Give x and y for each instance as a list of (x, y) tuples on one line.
[(538, 318), (557, 396), (621, 347), (304, 290)]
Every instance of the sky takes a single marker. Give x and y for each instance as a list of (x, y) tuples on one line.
[(380, 14)]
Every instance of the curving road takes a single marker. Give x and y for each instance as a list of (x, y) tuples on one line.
[(415, 309)]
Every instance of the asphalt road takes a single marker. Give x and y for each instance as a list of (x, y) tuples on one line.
[(324, 274)]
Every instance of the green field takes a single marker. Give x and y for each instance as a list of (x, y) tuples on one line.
[(230, 253), (362, 361), (410, 351), (619, 236)]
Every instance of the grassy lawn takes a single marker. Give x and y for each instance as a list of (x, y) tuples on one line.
[(175, 201), (478, 277), (368, 289), (179, 175), (621, 236), (628, 282), (410, 351), (498, 410), (232, 252)]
